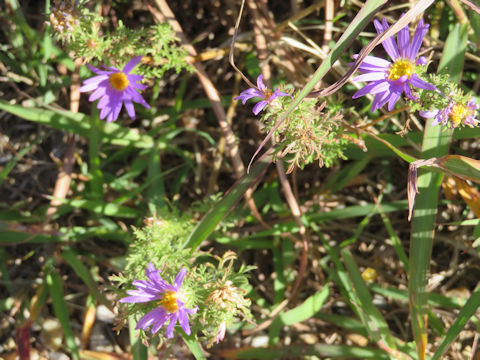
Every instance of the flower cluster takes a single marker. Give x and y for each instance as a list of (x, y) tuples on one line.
[(454, 114), (114, 88), (263, 93), (171, 306), (389, 80)]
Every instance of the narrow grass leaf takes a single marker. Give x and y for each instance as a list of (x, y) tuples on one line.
[(304, 311), (347, 323), (55, 287), (94, 141), (139, 351), (397, 243), (435, 144), (78, 124), (371, 314), (463, 317), (194, 347), (301, 351)]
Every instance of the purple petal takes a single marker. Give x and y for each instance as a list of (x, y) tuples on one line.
[(393, 100), (278, 93), (248, 94), (183, 320), (138, 86), (98, 71), (367, 89), (422, 60), (419, 83), (171, 325), (179, 279), (153, 316), (402, 79), (132, 94), (191, 311), (388, 44), (429, 113), (381, 86), (101, 90), (105, 111), (106, 99), (130, 109), (379, 100), (131, 64), (370, 76), (417, 40), (261, 86), (408, 92), (134, 77), (96, 79), (110, 117), (403, 39), (150, 318), (373, 63), (138, 299), (259, 107), (161, 317), (116, 110)]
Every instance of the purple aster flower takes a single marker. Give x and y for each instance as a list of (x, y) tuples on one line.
[(387, 80), (454, 114), (262, 92), (115, 88), (169, 299)]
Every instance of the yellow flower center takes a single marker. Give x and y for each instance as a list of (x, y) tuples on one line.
[(169, 301), (458, 114), (119, 81), (399, 68), (267, 93)]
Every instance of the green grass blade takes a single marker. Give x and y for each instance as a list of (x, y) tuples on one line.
[(79, 124), (139, 351), (156, 191), (304, 311), (55, 287), (94, 141), (454, 54), (300, 351), (348, 323), (194, 347), (397, 243), (374, 319), (435, 144), (462, 318)]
